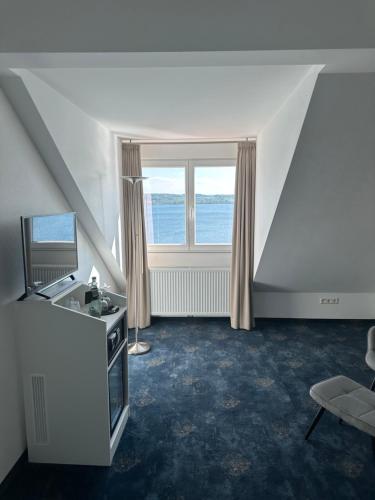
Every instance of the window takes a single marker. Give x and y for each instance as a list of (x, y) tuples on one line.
[(189, 204), (165, 205)]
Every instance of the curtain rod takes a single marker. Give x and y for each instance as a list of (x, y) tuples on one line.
[(187, 141)]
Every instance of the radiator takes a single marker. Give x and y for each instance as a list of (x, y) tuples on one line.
[(189, 292), (47, 273)]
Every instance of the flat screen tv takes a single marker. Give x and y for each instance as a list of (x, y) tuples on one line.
[(49, 249)]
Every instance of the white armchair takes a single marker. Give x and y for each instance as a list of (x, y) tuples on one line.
[(370, 355)]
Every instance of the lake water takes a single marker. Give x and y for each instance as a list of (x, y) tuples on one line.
[(213, 224)]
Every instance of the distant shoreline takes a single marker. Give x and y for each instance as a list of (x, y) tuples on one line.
[(201, 199)]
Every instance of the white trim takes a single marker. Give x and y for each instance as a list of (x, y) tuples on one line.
[(168, 163), (307, 305), (212, 162)]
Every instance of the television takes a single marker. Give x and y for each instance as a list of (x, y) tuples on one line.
[(49, 249)]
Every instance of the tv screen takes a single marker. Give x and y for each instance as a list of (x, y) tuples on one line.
[(49, 249)]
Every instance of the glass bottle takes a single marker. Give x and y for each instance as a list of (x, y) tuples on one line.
[(95, 307), (105, 299)]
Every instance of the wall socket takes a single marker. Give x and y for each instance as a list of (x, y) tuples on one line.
[(329, 300)]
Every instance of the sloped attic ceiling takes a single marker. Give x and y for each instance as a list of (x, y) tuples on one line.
[(179, 102), (269, 102)]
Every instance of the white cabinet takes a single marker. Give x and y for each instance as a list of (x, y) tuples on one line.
[(72, 391)]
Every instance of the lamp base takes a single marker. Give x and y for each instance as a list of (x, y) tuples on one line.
[(137, 348)]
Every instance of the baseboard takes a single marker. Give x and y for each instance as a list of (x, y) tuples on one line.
[(304, 306), (308, 305)]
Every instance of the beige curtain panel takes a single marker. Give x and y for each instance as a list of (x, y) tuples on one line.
[(241, 295), (135, 223)]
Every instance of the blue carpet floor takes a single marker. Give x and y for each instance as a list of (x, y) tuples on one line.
[(221, 414)]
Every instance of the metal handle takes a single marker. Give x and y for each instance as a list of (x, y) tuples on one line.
[(114, 337)]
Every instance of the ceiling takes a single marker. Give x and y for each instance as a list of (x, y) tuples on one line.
[(179, 102), (89, 26)]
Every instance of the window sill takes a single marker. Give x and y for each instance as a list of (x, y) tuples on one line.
[(203, 249)]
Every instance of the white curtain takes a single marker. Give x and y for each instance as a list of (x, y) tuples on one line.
[(241, 295), (131, 165)]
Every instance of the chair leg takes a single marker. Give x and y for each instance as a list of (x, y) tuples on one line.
[(372, 385), (318, 416)]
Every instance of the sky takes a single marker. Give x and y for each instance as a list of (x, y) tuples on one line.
[(171, 180)]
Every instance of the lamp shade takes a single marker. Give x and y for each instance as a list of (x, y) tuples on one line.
[(133, 179)]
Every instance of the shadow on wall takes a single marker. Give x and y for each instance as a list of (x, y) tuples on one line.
[(266, 287), (12, 284)]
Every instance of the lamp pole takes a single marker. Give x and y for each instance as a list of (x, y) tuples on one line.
[(137, 347)]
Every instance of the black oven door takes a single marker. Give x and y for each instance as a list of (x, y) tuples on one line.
[(116, 384)]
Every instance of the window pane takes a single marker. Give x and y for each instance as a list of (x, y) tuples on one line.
[(165, 205), (214, 199)]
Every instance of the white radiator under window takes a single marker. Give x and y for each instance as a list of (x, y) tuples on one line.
[(189, 292)]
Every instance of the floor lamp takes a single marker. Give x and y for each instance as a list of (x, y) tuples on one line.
[(136, 347)]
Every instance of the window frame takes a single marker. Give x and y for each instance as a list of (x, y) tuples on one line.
[(189, 165)]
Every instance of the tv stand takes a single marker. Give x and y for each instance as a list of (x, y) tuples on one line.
[(53, 290)]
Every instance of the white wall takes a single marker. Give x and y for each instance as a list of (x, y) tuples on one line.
[(12, 432), (322, 236), (275, 148), (189, 152), (143, 25), (26, 188)]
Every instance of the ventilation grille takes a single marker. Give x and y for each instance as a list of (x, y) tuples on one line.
[(38, 393), (190, 292)]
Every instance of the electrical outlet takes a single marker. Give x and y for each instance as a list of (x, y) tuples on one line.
[(329, 300)]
